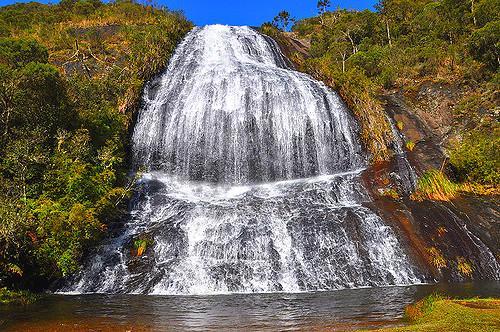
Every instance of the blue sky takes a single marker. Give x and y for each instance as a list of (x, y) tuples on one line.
[(253, 12)]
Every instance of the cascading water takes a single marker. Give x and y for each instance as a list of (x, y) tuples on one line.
[(228, 109), (252, 184)]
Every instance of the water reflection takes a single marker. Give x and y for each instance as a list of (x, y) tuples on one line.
[(350, 308)]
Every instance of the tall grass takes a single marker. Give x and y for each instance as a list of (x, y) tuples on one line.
[(435, 185), (436, 257)]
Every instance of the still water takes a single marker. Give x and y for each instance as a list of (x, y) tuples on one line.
[(319, 311)]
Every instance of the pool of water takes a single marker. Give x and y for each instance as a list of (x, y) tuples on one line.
[(333, 310)]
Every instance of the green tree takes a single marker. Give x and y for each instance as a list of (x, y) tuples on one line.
[(486, 11), (283, 20), (20, 52), (476, 158), (484, 44), (322, 6)]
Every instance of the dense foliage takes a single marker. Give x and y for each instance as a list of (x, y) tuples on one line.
[(364, 54), (70, 80)]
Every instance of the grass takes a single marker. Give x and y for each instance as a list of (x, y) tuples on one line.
[(400, 125), (391, 193), (434, 185), (435, 313)]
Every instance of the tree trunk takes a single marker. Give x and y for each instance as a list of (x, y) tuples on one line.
[(354, 47), (388, 32), (7, 119), (473, 14)]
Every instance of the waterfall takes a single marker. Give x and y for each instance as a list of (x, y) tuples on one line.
[(251, 184), (228, 109)]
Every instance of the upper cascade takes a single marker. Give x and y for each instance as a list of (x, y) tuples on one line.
[(230, 109)]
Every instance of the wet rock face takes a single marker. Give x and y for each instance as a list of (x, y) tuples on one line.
[(465, 230), (428, 152), (457, 238), (433, 103), (446, 238)]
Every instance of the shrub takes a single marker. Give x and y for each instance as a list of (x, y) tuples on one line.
[(484, 44), (19, 297), (436, 258), (140, 245), (410, 145), (400, 125), (464, 267), (476, 158), (20, 52)]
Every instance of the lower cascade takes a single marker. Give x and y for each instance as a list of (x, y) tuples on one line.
[(252, 183)]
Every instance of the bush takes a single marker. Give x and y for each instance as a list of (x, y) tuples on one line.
[(476, 158), (464, 267), (19, 297), (436, 258), (410, 145)]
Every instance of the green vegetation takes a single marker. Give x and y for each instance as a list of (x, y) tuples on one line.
[(410, 145), (400, 125), (434, 185), (70, 80), (140, 245), (435, 313), (406, 43), (21, 297), (391, 193), (415, 311), (464, 267), (476, 158), (436, 258)]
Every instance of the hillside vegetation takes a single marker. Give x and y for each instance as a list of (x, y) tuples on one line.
[(70, 80), (400, 46)]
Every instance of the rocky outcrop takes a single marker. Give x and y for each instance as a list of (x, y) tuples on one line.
[(444, 237)]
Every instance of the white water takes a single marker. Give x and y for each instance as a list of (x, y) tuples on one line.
[(229, 110), (252, 184)]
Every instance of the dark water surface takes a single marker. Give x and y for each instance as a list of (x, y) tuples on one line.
[(332, 311)]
